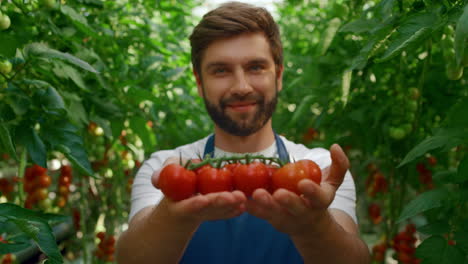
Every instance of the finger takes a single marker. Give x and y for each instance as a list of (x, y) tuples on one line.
[(262, 205), (155, 178), (339, 166), (290, 201), (316, 196), (192, 205)]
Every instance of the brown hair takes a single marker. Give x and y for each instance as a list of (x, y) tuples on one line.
[(233, 19)]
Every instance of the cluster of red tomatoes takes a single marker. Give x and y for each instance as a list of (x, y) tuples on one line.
[(178, 182), (106, 247), (7, 186), (376, 182), (7, 258), (404, 244), (425, 174), (374, 213), (64, 182), (36, 182)]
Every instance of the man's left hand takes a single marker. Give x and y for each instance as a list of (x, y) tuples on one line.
[(293, 214)]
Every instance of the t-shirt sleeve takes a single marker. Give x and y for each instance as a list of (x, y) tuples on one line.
[(144, 194), (345, 197)]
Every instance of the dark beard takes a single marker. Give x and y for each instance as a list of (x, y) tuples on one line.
[(244, 127)]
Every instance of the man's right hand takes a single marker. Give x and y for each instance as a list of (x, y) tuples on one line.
[(199, 208)]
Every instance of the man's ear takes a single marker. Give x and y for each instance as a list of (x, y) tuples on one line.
[(279, 76), (199, 82)]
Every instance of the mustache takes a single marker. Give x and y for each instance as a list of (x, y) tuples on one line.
[(242, 98)]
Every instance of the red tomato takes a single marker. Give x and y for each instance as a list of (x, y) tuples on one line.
[(312, 169), (198, 170), (38, 170), (288, 176), (211, 180), (271, 170), (44, 181), (231, 166), (29, 174), (64, 180), (101, 235), (176, 182), (66, 170), (249, 177)]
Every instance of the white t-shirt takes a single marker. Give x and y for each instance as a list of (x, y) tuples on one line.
[(144, 194)]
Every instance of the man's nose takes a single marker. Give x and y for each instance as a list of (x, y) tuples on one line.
[(241, 85)]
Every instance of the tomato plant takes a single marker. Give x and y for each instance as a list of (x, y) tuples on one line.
[(98, 86)]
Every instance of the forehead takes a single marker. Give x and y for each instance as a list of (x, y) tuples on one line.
[(238, 49)]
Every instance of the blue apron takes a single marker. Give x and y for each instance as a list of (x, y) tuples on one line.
[(244, 239)]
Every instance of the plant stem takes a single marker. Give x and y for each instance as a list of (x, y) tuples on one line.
[(218, 161), (84, 206), (21, 169)]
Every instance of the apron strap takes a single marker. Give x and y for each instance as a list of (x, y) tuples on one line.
[(281, 148)]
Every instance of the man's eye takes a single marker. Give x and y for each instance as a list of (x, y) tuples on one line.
[(219, 70), (256, 67)]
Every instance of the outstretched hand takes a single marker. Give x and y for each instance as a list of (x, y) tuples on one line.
[(199, 208), (291, 213)]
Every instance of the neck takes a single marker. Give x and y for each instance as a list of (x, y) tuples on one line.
[(256, 142)]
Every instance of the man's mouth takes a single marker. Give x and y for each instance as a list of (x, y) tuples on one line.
[(241, 106)]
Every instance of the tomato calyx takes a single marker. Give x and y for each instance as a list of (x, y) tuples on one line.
[(222, 161)]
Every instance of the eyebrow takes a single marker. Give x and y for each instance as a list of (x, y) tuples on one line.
[(221, 64)]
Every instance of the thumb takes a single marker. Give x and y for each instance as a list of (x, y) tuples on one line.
[(155, 178), (339, 166)]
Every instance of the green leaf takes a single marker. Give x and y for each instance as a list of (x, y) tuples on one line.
[(62, 135), (424, 202), (359, 26), (6, 248), (35, 227), (138, 95), (117, 125), (462, 173), (461, 36), (413, 31), (6, 142), (329, 34), (52, 101), (33, 143), (42, 51), (78, 20), (301, 109), (435, 228), (9, 44), (139, 127), (436, 250), (461, 237), (379, 35), (105, 107), (457, 116), (77, 113), (66, 71), (18, 100), (443, 138)]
